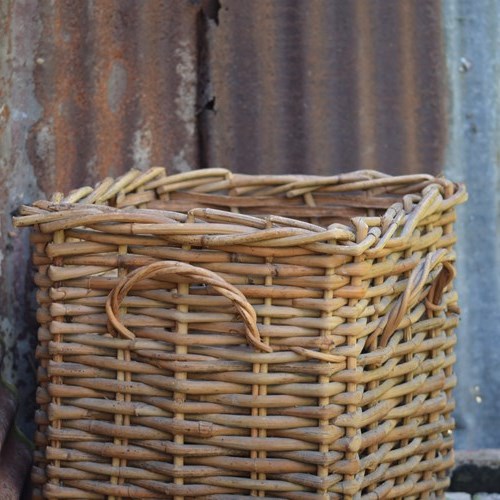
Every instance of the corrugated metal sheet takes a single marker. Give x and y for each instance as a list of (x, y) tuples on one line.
[(327, 86), (276, 85), (473, 57), (117, 82)]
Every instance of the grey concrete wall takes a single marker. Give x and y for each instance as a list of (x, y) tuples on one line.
[(472, 30)]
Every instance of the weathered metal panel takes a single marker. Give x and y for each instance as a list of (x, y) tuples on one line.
[(116, 81), (326, 86), (473, 156)]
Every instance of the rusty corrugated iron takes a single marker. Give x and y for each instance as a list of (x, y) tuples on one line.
[(326, 86), (117, 83), (282, 86)]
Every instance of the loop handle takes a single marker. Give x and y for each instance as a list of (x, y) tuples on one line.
[(412, 293), (198, 274)]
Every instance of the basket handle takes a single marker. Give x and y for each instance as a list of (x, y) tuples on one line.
[(412, 292), (119, 292)]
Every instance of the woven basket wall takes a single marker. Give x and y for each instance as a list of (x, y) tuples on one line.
[(216, 335)]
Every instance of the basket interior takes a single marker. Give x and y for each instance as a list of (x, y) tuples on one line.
[(323, 209), (317, 200)]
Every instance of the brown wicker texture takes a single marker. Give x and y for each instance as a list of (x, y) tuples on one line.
[(213, 335)]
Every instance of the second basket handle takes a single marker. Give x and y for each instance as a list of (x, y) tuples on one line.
[(414, 287), (198, 274)]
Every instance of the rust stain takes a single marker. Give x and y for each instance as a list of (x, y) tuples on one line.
[(117, 84)]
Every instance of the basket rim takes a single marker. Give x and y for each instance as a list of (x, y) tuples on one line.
[(422, 197)]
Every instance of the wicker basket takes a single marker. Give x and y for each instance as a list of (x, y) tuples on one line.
[(216, 335)]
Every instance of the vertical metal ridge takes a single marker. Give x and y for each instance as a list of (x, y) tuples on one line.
[(430, 80), (59, 66), (410, 99), (245, 121), (317, 97), (289, 108), (389, 123), (267, 145), (156, 96), (366, 108), (111, 81), (341, 96)]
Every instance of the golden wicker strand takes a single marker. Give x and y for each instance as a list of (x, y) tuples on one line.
[(182, 329), (121, 376), (263, 367), (352, 433), (58, 237)]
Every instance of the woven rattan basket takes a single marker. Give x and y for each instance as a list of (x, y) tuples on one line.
[(217, 335)]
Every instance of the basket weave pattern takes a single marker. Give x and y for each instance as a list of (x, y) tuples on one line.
[(217, 335)]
